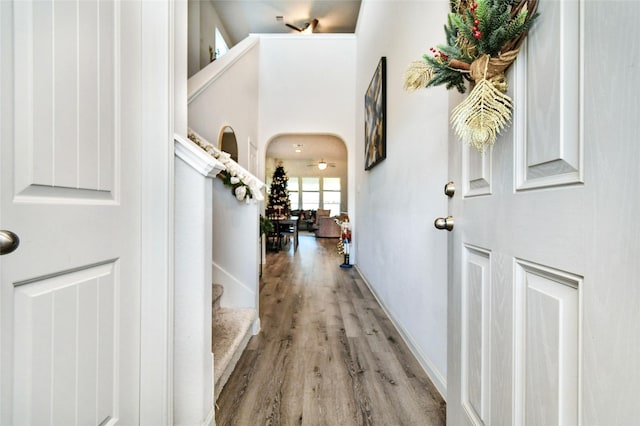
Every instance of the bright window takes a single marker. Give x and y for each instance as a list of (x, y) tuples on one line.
[(221, 45), (294, 193), (310, 193), (331, 195)]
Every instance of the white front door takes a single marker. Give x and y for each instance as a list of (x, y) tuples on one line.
[(544, 255), (70, 182)]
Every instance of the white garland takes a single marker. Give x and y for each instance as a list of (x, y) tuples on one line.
[(249, 188)]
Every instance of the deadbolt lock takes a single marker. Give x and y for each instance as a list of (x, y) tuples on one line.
[(450, 189)]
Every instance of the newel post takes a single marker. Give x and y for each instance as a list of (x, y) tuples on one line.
[(193, 360)]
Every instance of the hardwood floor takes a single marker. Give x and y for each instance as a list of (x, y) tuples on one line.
[(327, 354)]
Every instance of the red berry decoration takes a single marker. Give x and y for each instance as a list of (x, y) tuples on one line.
[(476, 22)]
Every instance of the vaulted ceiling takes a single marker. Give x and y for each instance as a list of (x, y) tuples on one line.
[(243, 17)]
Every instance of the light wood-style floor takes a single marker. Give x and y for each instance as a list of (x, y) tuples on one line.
[(327, 354)]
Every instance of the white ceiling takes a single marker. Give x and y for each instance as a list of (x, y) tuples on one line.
[(314, 148), (243, 17)]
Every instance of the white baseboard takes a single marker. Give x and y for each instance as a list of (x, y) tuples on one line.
[(256, 326), (211, 418), (427, 365)]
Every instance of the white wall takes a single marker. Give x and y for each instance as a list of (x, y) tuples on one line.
[(232, 99), (235, 248), (400, 254), (307, 87)]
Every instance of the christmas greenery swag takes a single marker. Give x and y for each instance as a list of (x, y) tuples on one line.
[(243, 185), (483, 39)]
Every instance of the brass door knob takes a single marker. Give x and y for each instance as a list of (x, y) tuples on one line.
[(444, 223), (8, 242)]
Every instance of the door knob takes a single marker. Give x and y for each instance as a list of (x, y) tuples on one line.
[(450, 189), (8, 242), (444, 223)]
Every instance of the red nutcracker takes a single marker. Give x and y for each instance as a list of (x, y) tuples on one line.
[(346, 241)]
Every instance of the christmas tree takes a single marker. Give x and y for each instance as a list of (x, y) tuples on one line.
[(279, 196)]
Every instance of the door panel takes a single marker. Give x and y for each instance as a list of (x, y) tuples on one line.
[(548, 100), (65, 334), (562, 295), (66, 114), (70, 181), (476, 172), (476, 332), (547, 324)]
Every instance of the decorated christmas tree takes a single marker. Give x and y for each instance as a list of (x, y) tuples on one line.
[(279, 196)]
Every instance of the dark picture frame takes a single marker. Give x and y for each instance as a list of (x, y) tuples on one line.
[(375, 117)]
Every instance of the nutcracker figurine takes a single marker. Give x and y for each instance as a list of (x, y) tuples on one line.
[(345, 241)]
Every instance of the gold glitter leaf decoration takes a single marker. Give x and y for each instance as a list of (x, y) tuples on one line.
[(482, 115), (417, 75)]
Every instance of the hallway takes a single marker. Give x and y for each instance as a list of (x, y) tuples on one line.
[(327, 354)]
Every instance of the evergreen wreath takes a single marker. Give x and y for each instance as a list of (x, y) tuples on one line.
[(483, 39)]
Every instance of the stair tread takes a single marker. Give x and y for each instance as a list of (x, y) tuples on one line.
[(230, 335)]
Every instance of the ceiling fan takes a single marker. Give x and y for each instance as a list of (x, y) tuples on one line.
[(309, 27), (321, 164)]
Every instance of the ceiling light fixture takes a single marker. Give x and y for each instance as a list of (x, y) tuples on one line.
[(322, 165)]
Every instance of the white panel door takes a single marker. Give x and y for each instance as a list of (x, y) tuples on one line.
[(543, 259), (70, 181)]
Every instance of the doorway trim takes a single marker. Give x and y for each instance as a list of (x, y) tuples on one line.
[(156, 213)]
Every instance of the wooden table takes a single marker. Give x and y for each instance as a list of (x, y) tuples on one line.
[(288, 226)]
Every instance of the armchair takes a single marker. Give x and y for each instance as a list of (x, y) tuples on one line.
[(326, 226)]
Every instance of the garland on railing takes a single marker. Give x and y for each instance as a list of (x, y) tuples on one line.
[(483, 39), (243, 185)]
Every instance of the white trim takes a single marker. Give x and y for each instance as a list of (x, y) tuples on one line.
[(232, 278), (425, 362), (156, 214), (196, 158)]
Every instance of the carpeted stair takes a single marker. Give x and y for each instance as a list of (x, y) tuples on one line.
[(230, 336)]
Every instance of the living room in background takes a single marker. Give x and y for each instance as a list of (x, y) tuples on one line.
[(317, 193)]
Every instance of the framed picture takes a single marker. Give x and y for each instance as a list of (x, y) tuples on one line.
[(375, 117)]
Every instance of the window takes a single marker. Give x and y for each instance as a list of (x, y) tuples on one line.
[(310, 193), (331, 195), (221, 45), (294, 193)]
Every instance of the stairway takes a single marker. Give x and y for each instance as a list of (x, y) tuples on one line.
[(231, 331)]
